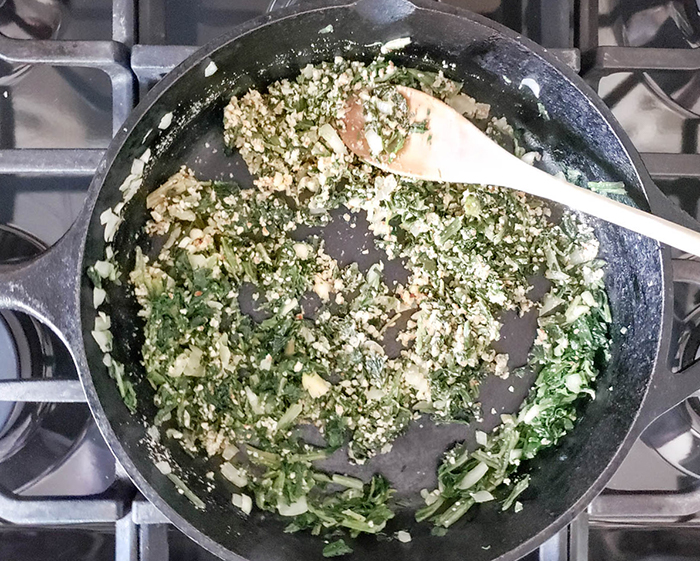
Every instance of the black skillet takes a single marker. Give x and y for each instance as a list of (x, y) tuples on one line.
[(634, 389)]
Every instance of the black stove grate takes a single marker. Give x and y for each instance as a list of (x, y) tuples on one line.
[(141, 532)]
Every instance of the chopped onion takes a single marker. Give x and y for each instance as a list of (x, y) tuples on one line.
[(153, 433), (104, 269), (164, 467), (102, 322), (573, 382), (197, 260), (289, 305), (130, 186), (385, 107), (254, 401), (403, 536), (430, 497), (194, 364), (224, 352), (473, 476), (481, 437), (549, 303), (374, 141), (295, 509), (463, 104), (395, 44), (482, 497), (315, 385), (307, 71), (329, 134), (230, 451), (302, 250), (137, 168), (174, 234), (531, 157), (165, 121), (111, 223), (588, 299), (322, 288), (188, 362), (530, 413), (556, 276), (211, 69), (575, 310), (585, 253), (235, 475), (244, 502), (103, 340), (98, 297), (290, 415), (185, 490)]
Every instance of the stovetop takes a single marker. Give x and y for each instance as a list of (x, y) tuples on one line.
[(62, 495)]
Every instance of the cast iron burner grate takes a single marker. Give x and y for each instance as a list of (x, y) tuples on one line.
[(141, 532)]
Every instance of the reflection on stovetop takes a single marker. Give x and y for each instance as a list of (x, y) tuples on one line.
[(51, 544), (47, 107), (41, 441), (645, 545), (663, 24)]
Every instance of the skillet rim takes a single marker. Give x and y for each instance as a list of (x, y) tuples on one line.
[(651, 193)]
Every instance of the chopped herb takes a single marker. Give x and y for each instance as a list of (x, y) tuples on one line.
[(249, 385), (438, 531), (608, 187), (185, 490), (336, 549)]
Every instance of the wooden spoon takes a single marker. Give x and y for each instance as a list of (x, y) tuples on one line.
[(454, 150)]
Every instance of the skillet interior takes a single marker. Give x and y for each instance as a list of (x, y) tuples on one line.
[(576, 134)]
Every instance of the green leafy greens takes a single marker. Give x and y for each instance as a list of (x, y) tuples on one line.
[(246, 370)]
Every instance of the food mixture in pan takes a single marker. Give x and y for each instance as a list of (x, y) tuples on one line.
[(306, 374)]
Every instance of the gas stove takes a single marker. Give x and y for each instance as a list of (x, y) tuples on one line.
[(70, 72)]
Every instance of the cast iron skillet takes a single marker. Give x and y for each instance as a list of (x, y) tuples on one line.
[(634, 389)]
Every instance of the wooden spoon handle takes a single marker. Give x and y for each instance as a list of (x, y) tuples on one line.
[(536, 182)]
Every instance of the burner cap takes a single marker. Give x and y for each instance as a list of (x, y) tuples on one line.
[(692, 9), (37, 438), (27, 19), (22, 340), (17, 245), (676, 434), (664, 24), (9, 367)]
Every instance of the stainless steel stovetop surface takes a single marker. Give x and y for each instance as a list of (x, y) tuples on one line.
[(56, 118)]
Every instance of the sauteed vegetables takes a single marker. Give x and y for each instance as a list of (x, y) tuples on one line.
[(271, 352)]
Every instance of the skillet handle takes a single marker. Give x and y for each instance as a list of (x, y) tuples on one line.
[(668, 388), (46, 288)]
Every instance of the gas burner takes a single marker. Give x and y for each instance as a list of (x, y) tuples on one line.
[(676, 434), (27, 19), (34, 437), (671, 24), (22, 339)]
